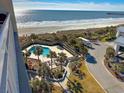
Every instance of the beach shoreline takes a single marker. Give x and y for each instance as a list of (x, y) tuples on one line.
[(53, 29)]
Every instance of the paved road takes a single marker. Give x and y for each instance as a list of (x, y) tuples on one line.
[(96, 67)]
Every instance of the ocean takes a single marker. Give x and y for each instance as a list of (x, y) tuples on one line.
[(45, 18)]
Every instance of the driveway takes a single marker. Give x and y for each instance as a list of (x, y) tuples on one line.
[(98, 70)]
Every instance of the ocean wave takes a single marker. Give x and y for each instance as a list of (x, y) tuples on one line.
[(89, 22)]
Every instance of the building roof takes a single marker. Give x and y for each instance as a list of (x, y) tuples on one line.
[(84, 39), (120, 40), (120, 29)]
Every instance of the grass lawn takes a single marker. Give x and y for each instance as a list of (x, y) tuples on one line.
[(89, 84), (56, 89)]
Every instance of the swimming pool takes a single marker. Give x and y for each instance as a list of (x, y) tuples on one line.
[(45, 52)]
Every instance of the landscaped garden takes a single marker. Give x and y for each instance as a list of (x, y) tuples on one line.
[(81, 81), (45, 57), (46, 72), (113, 64), (47, 75), (58, 72)]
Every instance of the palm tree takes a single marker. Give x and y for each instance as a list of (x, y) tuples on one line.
[(33, 36), (26, 55), (61, 58), (75, 86), (110, 53), (38, 51), (40, 86), (35, 84), (72, 41), (45, 86), (44, 70), (52, 55), (83, 50)]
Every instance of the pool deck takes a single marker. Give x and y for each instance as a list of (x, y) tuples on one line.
[(55, 48)]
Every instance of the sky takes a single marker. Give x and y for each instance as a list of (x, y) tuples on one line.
[(95, 5)]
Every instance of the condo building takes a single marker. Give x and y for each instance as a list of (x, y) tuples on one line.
[(119, 42), (13, 74)]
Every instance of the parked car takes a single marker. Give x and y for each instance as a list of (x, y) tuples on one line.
[(86, 42)]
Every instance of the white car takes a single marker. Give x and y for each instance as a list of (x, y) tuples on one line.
[(86, 42)]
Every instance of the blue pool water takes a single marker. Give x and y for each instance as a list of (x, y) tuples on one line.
[(46, 50)]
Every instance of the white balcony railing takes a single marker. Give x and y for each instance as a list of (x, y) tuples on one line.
[(3, 50), (8, 65)]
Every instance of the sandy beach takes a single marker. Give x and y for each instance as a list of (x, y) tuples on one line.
[(52, 29)]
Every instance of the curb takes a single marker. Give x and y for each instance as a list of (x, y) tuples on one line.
[(107, 69), (95, 78)]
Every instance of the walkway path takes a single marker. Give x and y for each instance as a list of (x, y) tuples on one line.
[(64, 83), (102, 75)]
